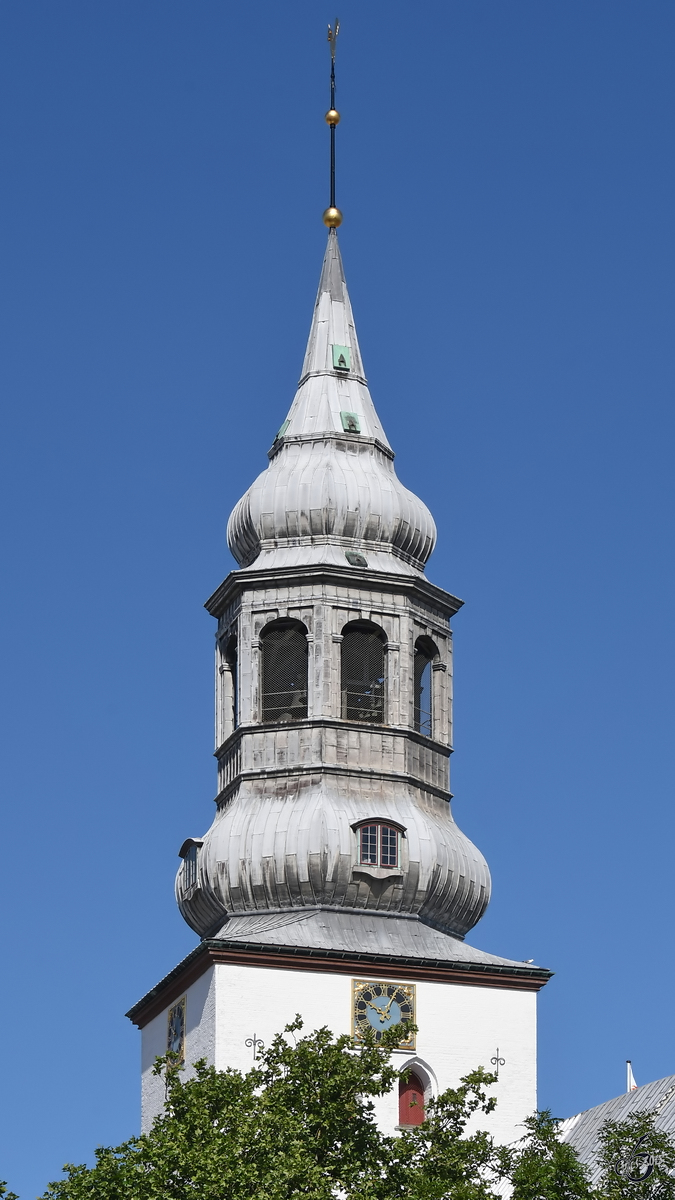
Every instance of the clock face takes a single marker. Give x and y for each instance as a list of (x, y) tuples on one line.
[(377, 1006), (175, 1033)]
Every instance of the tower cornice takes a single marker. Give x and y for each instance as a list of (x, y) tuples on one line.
[(238, 581)]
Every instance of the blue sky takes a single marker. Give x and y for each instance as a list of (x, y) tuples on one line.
[(506, 174)]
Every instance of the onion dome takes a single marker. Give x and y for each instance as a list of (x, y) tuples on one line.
[(443, 878), (330, 487)]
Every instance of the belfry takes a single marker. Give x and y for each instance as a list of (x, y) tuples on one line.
[(333, 881)]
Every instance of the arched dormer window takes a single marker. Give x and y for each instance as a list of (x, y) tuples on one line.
[(283, 651), (410, 1100), (362, 672), (379, 844), (425, 653), (189, 852)]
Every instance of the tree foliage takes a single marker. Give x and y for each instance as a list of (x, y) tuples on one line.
[(543, 1165), (637, 1160), (299, 1124)]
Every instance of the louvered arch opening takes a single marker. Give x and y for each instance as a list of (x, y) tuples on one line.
[(284, 658), (425, 653), (362, 674)]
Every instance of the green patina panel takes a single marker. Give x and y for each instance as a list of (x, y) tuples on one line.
[(350, 422), (342, 358)]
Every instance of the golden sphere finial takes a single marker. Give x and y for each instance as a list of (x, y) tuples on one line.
[(332, 217), (332, 117)]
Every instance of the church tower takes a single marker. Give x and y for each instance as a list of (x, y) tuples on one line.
[(334, 881)]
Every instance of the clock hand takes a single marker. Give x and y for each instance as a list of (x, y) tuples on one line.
[(381, 1011)]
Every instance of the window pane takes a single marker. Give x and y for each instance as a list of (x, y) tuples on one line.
[(389, 846), (362, 674), (369, 844), (284, 675), (422, 685)]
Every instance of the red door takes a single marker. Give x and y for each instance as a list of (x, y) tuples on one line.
[(410, 1101)]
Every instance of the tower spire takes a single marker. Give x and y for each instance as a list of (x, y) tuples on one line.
[(332, 216)]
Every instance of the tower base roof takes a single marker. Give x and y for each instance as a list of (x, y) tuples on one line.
[(341, 942)]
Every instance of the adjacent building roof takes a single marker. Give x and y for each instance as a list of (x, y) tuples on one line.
[(581, 1131)]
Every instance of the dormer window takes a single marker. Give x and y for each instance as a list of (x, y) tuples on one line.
[(189, 852), (190, 867), (378, 845)]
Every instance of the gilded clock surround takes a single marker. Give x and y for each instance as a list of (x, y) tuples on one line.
[(379, 1004)]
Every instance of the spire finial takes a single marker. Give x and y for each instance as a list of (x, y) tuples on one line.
[(332, 216)]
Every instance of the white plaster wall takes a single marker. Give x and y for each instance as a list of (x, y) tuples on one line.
[(460, 1028), (200, 1032)]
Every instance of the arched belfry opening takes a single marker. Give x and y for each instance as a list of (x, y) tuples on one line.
[(283, 670), (362, 672), (423, 704)]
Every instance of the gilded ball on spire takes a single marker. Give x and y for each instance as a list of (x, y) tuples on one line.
[(332, 217), (332, 117)]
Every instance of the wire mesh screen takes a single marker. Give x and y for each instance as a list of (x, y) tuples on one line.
[(362, 680), (284, 675), (422, 685)]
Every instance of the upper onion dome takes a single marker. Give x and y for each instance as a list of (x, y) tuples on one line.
[(331, 486)]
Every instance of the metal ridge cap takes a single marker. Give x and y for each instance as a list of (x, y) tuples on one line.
[(240, 577)]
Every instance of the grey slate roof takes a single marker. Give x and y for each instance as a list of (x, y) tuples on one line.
[(372, 937), (581, 1131), (356, 933)]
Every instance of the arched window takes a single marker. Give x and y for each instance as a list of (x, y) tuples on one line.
[(378, 844), (425, 653), (283, 648), (410, 1100), (362, 672), (231, 665)]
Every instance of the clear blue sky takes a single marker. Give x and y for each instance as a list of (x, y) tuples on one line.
[(506, 173)]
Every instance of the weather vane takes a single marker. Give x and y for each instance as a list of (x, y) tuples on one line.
[(332, 216)]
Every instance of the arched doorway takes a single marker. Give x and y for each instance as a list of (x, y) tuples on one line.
[(410, 1100)]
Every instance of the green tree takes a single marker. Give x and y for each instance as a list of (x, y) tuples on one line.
[(544, 1166), (637, 1160), (299, 1124)]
